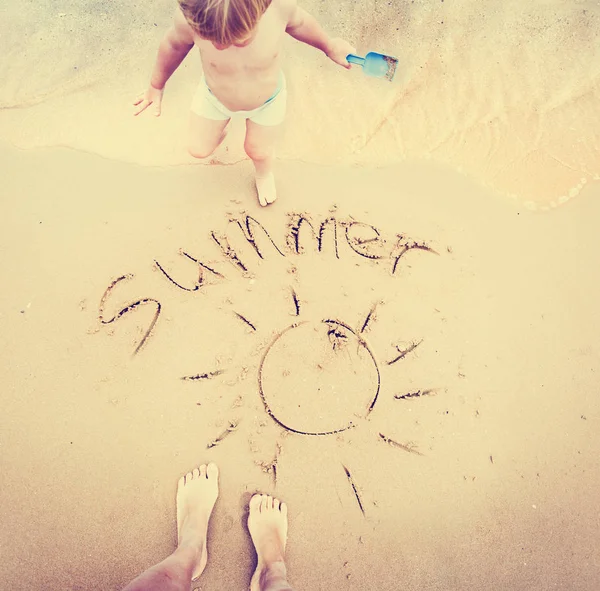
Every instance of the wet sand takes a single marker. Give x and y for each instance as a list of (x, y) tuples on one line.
[(507, 94), (427, 345), (495, 479)]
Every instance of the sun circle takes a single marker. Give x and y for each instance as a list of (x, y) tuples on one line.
[(318, 378)]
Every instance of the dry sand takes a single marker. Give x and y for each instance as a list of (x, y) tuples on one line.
[(461, 336)]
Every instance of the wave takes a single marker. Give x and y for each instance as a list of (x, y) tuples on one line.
[(508, 92)]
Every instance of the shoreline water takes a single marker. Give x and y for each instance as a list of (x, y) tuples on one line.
[(507, 95)]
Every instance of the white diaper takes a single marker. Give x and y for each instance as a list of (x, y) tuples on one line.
[(272, 112)]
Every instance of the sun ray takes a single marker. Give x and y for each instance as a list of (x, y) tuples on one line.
[(204, 376), (271, 467), (296, 301), (404, 352), (354, 489), (233, 425), (244, 319), (371, 317), (417, 394), (408, 447)]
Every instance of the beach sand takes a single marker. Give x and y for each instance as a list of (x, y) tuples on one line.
[(426, 344)]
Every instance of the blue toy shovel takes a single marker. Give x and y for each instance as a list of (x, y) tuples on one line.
[(376, 64)]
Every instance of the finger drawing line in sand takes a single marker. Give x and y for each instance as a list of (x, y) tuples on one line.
[(129, 308), (229, 252), (338, 333), (357, 243), (233, 425), (201, 273), (362, 343), (314, 377), (337, 338), (354, 489), (405, 246), (417, 394), (370, 317), (271, 467), (409, 447), (204, 376), (297, 221), (404, 352), (361, 238), (247, 227), (245, 321), (296, 302)]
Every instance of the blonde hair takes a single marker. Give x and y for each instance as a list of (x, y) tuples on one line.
[(223, 21)]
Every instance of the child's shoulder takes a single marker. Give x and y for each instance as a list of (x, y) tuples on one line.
[(287, 8), (181, 26)]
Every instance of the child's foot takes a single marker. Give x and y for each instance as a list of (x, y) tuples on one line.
[(267, 523), (197, 492), (265, 185)]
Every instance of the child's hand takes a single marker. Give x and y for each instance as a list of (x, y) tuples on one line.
[(153, 96), (338, 51)]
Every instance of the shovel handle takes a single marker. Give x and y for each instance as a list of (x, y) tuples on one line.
[(355, 59)]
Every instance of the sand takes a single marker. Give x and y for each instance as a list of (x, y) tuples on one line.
[(429, 354)]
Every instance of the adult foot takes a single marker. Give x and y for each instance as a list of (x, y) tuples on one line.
[(197, 492), (267, 523), (265, 186)]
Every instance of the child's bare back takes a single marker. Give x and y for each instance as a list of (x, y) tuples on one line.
[(240, 45)]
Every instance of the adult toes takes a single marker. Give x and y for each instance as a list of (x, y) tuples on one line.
[(212, 471)]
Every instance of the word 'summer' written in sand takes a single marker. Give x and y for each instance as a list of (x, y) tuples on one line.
[(302, 234)]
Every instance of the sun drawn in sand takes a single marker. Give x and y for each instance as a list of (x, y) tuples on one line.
[(320, 379), (315, 376)]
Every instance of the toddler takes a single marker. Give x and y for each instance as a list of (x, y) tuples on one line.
[(240, 48)]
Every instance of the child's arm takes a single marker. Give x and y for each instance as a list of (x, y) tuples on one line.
[(176, 44), (305, 28)]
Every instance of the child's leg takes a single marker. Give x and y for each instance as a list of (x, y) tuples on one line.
[(205, 135), (260, 147)]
